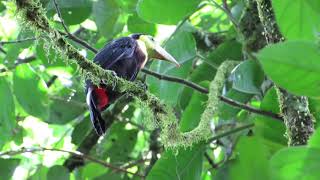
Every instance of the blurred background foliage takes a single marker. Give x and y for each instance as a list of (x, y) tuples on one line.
[(43, 102)]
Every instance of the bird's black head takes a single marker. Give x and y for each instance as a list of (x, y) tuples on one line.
[(152, 48), (136, 35)]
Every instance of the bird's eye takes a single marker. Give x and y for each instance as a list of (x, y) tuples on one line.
[(150, 37)]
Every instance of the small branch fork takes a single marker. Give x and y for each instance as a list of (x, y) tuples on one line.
[(74, 153)]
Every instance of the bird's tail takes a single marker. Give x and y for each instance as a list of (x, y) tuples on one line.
[(95, 112)]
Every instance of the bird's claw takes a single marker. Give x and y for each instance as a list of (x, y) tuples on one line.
[(143, 85)]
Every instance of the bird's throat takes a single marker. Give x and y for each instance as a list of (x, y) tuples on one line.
[(142, 46)]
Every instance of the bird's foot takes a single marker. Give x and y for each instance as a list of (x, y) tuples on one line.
[(143, 85)]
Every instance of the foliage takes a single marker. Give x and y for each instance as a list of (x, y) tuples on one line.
[(43, 108)]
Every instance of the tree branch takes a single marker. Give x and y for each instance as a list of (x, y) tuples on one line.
[(205, 91), (232, 131), (17, 41), (74, 153)]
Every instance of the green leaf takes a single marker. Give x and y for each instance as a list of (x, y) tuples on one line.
[(58, 172), (271, 131), (206, 71), (106, 14), (81, 131), (2, 6), (298, 19), (247, 77), (296, 163), (48, 56), (62, 110), (7, 167), (314, 140), (128, 6), (30, 91), (165, 11), (191, 115), (119, 143), (72, 11), (293, 65), (186, 165), (137, 25), (314, 106), (226, 111), (92, 170), (7, 113), (40, 174), (182, 47), (251, 159)]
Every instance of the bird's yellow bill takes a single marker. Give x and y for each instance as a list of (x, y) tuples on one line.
[(162, 54), (156, 51)]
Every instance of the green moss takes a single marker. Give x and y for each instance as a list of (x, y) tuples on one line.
[(160, 115)]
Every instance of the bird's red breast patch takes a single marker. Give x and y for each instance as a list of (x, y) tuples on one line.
[(102, 97)]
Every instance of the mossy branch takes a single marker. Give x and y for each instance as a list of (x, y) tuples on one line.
[(294, 109), (175, 138), (163, 116)]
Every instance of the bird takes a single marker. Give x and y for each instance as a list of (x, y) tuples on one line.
[(125, 56)]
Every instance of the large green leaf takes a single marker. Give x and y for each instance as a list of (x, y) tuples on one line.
[(119, 143), (314, 106), (298, 19), (247, 77), (251, 159), (30, 91), (7, 167), (165, 11), (191, 115), (81, 131), (228, 50), (138, 25), (228, 112), (72, 11), (92, 170), (314, 140), (187, 165), (40, 174), (272, 131), (296, 163), (182, 47), (106, 14), (7, 113), (62, 110), (58, 172), (293, 65)]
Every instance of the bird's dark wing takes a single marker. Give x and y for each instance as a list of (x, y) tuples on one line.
[(119, 49)]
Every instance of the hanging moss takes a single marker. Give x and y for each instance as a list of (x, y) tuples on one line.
[(159, 114)]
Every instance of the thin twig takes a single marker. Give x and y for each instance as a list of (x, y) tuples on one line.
[(75, 153), (177, 80), (227, 11), (71, 36), (210, 161), (52, 80), (225, 6), (18, 41), (232, 131), (250, 108)]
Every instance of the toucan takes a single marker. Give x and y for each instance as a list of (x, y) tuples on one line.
[(125, 56)]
